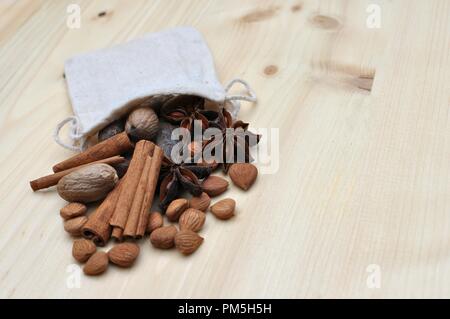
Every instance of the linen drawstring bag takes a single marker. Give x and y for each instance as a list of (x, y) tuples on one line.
[(105, 85)]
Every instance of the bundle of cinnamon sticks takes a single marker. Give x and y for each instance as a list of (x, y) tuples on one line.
[(124, 213)]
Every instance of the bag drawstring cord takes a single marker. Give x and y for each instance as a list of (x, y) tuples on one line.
[(234, 101), (250, 97), (73, 133)]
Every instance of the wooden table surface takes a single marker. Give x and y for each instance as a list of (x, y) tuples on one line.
[(360, 205)]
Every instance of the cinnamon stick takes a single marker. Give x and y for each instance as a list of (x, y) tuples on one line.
[(53, 179), (97, 227), (112, 146), (135, 211), (131, 180), (117, 233), (152, 181)]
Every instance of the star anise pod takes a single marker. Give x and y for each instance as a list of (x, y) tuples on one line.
[(235, 140), (176, 177), (185, 109)]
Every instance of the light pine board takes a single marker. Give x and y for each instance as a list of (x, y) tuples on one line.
[(364, 172)]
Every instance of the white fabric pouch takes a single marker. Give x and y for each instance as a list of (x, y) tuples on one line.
[(105, 85)]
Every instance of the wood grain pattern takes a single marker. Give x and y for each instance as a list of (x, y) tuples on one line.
[(364, 172)]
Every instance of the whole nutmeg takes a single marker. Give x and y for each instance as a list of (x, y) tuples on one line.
[(214, 185), (187, 241), (224, 209), (112, 129), (201, 202), (243, 175), (73, 226), (88, 184), (83, 249), (96, 264), (73, 210), (176, 208), (142, 124), (192, 219), (155, 220), (124, 255), (163, 237)]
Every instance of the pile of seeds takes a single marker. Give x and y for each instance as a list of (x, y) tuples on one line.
[(131, 163)]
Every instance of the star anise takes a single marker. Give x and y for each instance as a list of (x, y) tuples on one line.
[(185, 109), (176, 177), (235, 141)]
